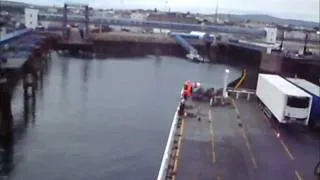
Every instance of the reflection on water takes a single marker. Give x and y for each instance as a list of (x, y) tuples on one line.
[(7, 152), (101, 119), (8, 158)]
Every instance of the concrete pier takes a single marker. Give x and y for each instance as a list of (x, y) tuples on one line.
[(27, 60)]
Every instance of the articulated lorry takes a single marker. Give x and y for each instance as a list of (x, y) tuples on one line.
[(282, 100), (314, 91)]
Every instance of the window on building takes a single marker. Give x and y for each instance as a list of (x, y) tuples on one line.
[(30, 23), (30, 15)]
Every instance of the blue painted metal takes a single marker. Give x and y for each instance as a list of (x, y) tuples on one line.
[(25, 47), (16, 54), (159, 24), (185, 35), (184, 44), (315, 109), (16, 34), (314, 91), (206, 37), (31, 41)]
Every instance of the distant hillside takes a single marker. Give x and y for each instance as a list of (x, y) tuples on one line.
[(232, 17), (271, 19), (13, 4)]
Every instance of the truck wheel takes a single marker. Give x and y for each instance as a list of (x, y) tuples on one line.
[(260, 105), (311, 124)]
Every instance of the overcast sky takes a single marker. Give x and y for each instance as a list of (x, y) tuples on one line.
[(293, 9)]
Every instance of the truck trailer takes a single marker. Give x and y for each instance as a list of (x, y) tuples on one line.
[(314, 91), (282, 100)]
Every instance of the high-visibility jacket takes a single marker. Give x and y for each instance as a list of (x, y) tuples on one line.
[(187, 91)]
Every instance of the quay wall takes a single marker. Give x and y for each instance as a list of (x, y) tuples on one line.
[(135, 44), (126, 44)]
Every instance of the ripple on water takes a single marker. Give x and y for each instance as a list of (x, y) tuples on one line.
[(104, 119)]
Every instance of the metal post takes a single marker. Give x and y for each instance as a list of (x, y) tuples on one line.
[(65, 21), (305, 45), (282, 39), (225, 93), (86, 22)]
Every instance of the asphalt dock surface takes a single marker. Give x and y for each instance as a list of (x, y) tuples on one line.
[(237, 141)]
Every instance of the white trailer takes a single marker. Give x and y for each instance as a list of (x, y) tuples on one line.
[(286, 102)]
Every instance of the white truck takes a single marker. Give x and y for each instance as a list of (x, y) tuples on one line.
[(283, 100)]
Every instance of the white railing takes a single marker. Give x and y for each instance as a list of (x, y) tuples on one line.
[(166, 155), (248, 92)]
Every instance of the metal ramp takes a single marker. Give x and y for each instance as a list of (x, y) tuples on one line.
[(192, 53)]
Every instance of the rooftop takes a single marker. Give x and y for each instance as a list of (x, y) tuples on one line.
[(284, 85), (312, 88)]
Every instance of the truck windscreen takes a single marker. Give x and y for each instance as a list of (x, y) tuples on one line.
[(298, 102)]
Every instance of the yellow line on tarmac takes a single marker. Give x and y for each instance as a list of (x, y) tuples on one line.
[(285, 147), (298, 175), (212, 137), (244, 74), (243, 133), (235, 106), (276, 132), (253, 159), (176, 163), (219, 178)]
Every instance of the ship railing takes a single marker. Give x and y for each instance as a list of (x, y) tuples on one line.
[(162, 175), (238, 92)]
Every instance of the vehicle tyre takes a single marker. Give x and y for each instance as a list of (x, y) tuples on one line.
[(311, 124)]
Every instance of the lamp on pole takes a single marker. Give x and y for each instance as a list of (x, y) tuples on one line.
[(226, 76), (166, 6)]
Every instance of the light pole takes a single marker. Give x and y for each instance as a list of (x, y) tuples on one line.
[(166, 6), (226, 75)]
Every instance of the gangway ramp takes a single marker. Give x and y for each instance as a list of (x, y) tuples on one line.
[(192, 53)]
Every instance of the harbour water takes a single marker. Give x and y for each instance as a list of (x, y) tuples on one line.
[(101, 119)]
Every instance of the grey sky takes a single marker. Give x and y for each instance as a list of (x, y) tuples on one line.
[(295, 9)]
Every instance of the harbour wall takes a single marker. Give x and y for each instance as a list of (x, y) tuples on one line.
[(124, 44)]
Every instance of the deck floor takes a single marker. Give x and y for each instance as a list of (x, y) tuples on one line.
[(217, 147)]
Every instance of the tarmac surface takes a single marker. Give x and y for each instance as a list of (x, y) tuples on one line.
[(236, 141)]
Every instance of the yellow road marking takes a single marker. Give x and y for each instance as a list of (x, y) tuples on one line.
[(176, 163), (253, 159), (285, 147), (246, 139), (244, 74), (298, 175), (235, 106), (219, 178), (276, 132), (212, 137)]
